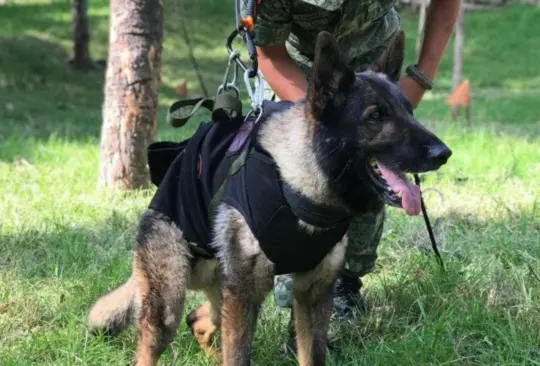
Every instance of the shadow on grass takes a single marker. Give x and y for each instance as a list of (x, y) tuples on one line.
[(69, 250), (491, 274), (411, 303), (44, 97)]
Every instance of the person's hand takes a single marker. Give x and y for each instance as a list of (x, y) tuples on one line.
[(412, 90)]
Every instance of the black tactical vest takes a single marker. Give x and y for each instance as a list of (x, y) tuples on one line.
[(200, 176)]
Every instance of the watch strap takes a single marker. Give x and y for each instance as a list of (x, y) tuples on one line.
[(419, 77)]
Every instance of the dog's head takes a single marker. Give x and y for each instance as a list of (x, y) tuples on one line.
[(370, 119)]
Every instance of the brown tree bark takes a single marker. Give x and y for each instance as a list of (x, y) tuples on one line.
[(421, 23), (458, 48), (131, 92), (81, 35), (458, 62)]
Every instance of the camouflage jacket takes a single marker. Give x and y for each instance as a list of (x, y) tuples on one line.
[(362, 27)]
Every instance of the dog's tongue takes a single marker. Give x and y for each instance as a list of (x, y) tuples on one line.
[(410, 193)]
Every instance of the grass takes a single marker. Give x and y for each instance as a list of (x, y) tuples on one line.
[(63, 243)]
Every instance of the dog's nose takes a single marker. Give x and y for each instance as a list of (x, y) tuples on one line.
[(439, 154)]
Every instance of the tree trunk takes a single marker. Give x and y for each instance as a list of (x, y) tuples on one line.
[(131, 92), (458, 48), (81, 35), (421, 24)]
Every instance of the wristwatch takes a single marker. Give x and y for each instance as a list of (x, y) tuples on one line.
[(419, 77)]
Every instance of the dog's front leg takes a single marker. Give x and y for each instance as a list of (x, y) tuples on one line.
[(313, 307), (312, 319), (239, 317), (243, 293), (247, 278)]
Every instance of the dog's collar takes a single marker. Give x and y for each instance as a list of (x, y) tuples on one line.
[(303, 208), (312, 213)]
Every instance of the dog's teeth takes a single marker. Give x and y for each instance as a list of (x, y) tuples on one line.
[(399, 194)]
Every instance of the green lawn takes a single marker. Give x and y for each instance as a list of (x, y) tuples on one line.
[(63, 243)]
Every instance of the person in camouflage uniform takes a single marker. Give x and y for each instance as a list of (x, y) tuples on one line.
[(285, 33)]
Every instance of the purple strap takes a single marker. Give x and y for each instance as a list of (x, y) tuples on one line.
[(241, 136)]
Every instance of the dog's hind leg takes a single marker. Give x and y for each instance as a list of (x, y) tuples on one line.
[(204, 321), (204, 327), (313, 307), (247, 278), (161, 270)]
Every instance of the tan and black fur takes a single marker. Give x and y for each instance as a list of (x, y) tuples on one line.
[(320, 146)]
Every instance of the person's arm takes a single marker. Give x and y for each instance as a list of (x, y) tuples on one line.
[(440, 21), (272, 29), (282, 74)]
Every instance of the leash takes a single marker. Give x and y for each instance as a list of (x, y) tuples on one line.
[(428, 225)]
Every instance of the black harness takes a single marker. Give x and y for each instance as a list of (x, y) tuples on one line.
[(223, 163)]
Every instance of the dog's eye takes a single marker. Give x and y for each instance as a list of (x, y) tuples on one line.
[(372, 114)]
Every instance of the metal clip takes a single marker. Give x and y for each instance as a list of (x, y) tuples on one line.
[(230, 84), (255, 96)]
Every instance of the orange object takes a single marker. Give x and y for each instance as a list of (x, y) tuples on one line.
[(182, 89), (461, 96), (248, 23)]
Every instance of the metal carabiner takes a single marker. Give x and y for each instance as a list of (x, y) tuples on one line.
[(226, 84), (256, 97)]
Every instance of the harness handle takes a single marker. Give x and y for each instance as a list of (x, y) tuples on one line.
[(225, 106)]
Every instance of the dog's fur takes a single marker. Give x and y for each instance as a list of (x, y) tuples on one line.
[(320, 146)]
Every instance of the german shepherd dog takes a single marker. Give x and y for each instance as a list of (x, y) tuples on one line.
[(348, 145)]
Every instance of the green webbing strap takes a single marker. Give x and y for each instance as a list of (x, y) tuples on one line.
[(178, 114), (223, 108), (235, 166), (226, 106)]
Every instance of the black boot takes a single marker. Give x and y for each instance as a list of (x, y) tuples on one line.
[(347, 297)]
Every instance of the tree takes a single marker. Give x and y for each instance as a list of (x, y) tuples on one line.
[(131, 92), (458, 47), (421, 23), (461, 94), (81, 35)]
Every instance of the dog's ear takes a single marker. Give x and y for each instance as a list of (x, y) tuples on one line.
[(392, 59), (331, 77)]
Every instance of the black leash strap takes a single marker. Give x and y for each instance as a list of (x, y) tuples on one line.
[(428, 225)]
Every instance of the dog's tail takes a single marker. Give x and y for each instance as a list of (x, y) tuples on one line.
[(113, 312)]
